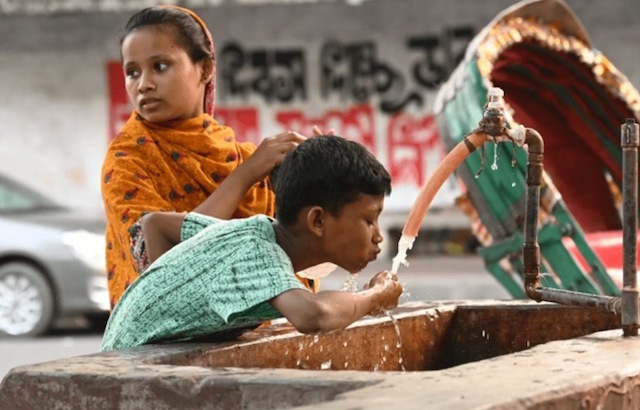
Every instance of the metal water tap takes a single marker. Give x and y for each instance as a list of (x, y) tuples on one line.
[(493, 121)]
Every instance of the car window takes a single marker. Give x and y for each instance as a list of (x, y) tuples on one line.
[(16, 198)]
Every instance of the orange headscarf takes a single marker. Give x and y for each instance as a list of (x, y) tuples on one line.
[(209, 91), (168, 168)]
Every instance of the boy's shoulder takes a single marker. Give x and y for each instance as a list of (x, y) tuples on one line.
[(258, 226)]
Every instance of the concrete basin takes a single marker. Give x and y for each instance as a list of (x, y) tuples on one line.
[(427, 337), (433, 355)]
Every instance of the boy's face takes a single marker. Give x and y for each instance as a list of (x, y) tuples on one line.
[(352, 237)]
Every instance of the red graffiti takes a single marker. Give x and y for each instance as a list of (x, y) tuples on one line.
[(411, 141), (356, 123), (244, 121)]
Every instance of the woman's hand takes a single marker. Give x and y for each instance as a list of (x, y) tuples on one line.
[(270, 154), (317, 131), (224, 200)]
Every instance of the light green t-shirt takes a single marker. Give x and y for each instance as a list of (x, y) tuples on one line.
[(220, 277)]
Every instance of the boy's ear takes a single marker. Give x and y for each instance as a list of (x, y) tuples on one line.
[(316, 220)]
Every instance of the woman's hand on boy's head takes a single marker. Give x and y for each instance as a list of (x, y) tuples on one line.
[(271, 152), (317, 131)]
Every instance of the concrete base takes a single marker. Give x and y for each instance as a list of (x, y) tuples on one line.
[(453, 360)]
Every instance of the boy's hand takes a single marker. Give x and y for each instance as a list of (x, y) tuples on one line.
[(270, 153), (388, 291)]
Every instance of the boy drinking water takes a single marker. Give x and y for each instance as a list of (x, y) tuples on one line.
[(209, 275)]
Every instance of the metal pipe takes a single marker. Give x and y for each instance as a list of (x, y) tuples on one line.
[(569, 297), (531, 249), (630, 140)]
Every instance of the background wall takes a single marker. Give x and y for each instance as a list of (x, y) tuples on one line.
[(55, 96)]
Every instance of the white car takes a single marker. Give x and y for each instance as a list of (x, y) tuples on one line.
[(52, 263)]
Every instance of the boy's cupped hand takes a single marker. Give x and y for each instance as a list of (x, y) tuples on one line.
[(387, 289)]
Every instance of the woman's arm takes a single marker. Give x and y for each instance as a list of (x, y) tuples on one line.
[(161, 232), (223, 202), (333, 310)]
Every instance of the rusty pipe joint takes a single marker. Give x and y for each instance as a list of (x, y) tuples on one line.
[(535, 145), (531, 260)]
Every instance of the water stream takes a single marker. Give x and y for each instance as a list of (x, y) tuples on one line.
[(351, 285)]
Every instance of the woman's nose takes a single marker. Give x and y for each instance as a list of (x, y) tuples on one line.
[(145, 83)]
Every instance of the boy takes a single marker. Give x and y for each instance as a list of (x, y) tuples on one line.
[(211, 276)]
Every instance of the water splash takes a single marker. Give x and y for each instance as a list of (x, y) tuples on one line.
[(350, 283), (326, 365)]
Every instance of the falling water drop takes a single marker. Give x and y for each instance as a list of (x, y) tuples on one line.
[(494, 166)]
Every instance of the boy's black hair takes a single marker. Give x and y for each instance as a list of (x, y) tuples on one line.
[(190, 35), (328, 171)]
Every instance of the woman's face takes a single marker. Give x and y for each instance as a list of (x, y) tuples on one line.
[(352, 237), (161, 80)]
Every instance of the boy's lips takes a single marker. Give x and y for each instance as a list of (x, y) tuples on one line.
[(375, 254)]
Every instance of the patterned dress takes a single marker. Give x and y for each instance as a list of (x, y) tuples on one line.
[(220, 277)]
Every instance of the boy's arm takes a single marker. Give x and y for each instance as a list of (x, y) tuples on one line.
[(161, 232), (333, 310)]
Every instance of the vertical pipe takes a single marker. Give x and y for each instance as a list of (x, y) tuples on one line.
[(531, 249), (630, 310)]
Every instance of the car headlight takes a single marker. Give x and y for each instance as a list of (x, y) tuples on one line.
[(88, 247)]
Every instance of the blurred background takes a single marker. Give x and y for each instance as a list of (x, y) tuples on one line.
[(369, 69)]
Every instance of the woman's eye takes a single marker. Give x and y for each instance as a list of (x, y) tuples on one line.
[(160, 67), (132, 73)]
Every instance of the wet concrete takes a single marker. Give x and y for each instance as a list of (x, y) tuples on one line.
[(457, 355)]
